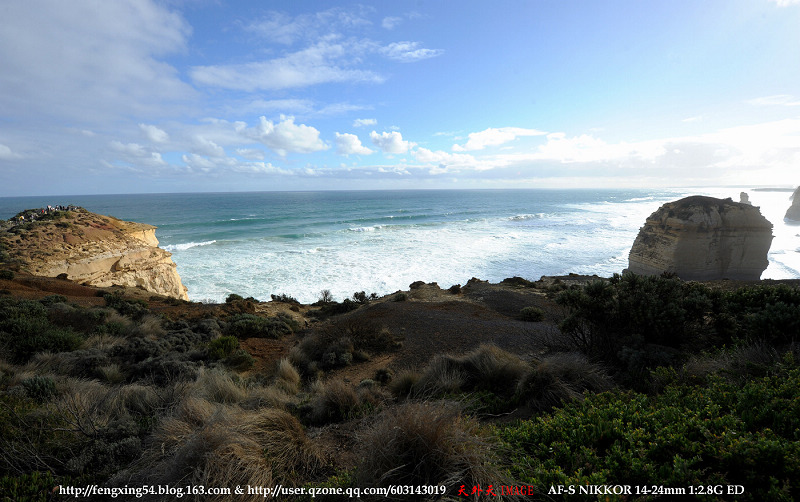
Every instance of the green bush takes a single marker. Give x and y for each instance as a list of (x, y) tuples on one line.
[(531, 314), (6, 274), (239, 360), (687, 436), (51, 299), (25, 330), (233, 297), (253, 326), (222, 347), (33, 487), (39, 388), (135, 309)]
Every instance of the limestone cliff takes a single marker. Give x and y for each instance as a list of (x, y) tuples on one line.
[(793, 213), (703, 238), (92, 249)]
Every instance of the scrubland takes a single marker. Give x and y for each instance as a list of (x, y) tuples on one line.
[(628, 380)]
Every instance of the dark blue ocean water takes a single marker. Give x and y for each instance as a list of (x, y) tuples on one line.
[(298, 243)]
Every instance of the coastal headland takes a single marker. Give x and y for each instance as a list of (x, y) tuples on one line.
[(518, 387)]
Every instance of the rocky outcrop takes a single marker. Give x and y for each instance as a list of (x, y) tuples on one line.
[(793, 213), (95, 250), (703, 238)]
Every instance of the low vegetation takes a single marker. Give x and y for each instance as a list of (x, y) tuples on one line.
[(646, 381)]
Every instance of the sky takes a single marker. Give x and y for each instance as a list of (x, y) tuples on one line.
[(146, 96)]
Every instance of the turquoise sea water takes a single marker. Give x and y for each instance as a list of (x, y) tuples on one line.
[(298, 243)]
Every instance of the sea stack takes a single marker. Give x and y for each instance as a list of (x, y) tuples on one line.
[(703, 238), (793, 213), (91, 249)]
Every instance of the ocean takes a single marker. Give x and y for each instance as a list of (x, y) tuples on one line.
[(299, 243)]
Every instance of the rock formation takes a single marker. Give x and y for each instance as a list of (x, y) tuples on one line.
[(93, 249), (793, 213), (744, 198), (703, 238)]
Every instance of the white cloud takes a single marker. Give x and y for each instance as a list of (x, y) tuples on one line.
[(324, 62), (286, 136), (138, 155), (7, 154), (786, 3), (132, 149), (408, 52), (347, 144), (364, 122), (390, 142), (154, 134), (697, 118), (390, 22), (444, 158), (284, 29), (87, 61), (250, 153), (207, 147), (494, 137), (775, 100)]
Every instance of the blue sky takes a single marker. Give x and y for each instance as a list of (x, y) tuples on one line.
[(136, 96)]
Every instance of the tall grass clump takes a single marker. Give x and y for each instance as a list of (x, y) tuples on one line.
[(427, 443), (560, 377), (488, 368), (221, 445)]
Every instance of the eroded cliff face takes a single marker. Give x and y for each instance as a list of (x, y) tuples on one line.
[(96, 250), (703, 238), (793, 213)]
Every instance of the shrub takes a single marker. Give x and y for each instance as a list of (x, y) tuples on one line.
[(239, 360), (253, 326), (531, 314), (132, 308), (222, 347), (25, 330), (400, 297), (51, 299), (455, 289), (32, 487), (335, 308), (6, 274), (427, 443), (39, 388), (233, 297), (284, 298), (688, 436), (640, 313)]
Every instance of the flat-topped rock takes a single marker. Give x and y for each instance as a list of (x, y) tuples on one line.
[(91, 249), (703, 238)]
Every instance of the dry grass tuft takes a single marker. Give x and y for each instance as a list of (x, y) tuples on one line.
[(561, 377), (486, 368), (427, 443), (287, 377), (214, 444), (334, 402), (217, 386)]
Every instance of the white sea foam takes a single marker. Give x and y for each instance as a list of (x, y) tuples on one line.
[(364, 255), (188, 245)]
